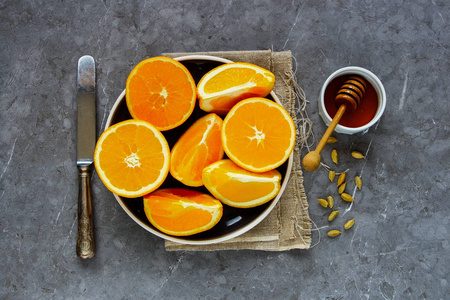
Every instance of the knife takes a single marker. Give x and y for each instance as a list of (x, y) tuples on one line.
[(86, 130)]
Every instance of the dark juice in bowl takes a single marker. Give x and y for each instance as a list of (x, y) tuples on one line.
[(362, 115)]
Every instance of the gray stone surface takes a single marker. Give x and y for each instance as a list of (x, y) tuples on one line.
[(399, 246)]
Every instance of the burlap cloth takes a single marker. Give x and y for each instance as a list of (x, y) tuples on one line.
[(288, 226)]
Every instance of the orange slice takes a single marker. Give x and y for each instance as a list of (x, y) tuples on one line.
[(258, 134), (160, 90), (224, 86), (181, 212), (132, 158), (198, 147), (238, 187)]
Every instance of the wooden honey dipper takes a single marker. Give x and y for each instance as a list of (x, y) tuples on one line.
[(348, 99)]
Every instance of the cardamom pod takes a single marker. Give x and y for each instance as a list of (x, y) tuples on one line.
[(342, 187), (341, 179), (331, 140), (330, 201), (333, 215), (357, 154), (347, 197), (323, 202), (334, 156), (349, 224), (331, 175), (358, 182), (333, 233)]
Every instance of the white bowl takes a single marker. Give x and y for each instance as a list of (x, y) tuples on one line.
[(373, 80), (234, 221)]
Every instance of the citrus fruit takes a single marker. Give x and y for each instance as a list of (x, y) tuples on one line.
[(160, 90), (224, 86), (181, 212), (258, 134), (132, 158), (198, 147), (238, 187)]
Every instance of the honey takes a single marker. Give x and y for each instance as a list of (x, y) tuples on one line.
[(362, 115)]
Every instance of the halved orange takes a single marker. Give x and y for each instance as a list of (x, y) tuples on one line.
[(181, 212), (238, 187), (258, 134), (224, 86), (198, 147), (132, 158), (160, 90)]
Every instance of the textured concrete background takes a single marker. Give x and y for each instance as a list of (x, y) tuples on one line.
[(399, 246)]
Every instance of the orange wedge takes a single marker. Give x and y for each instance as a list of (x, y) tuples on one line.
[(258, 134), (238, 187), (132, 158), (161, 91), (224, 86), (198, 147), (181, 212)]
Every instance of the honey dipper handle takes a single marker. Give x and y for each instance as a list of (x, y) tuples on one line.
[(312, 160), (331, 127)]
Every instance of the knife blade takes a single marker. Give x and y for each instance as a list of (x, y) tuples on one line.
[(86, 139)]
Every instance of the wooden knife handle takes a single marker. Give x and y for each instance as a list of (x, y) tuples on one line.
[(85, 239)]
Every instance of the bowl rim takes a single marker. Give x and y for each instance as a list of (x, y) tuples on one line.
[(227, 236), (374, 81)]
